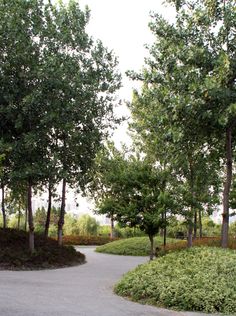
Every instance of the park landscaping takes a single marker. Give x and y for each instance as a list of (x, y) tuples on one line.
[(14, 253), (140, 246), (136, 246), (197, 279)]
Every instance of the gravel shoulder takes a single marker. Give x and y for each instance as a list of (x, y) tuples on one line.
[(84, 290)]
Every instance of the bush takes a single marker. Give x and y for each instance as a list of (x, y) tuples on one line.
[(205, 241), (14, 253), (136, 246), (197, 279), (86, 240)]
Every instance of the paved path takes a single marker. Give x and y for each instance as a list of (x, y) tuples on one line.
[(78, 291)]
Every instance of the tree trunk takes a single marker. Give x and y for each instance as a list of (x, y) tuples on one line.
[(152, 252), (3, 208), (62, 212), (190, 234), (112, 227), (200, 222), (47, 224), (227, 186), (18, 221), (164, 230), (195, 225), (30, 219), (26, 217)]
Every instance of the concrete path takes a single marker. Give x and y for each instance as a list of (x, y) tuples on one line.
[(78, 291)]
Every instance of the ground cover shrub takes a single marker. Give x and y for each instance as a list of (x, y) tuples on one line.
[(135, 246), (199, 242), (14, 253), (196, 279), (87, 240)]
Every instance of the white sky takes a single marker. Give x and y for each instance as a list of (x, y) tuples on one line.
[(122, 25)]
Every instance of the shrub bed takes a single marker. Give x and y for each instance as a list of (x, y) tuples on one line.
[(87, 240), (135, 246), (197, 279), (14, 253), (205, 241)]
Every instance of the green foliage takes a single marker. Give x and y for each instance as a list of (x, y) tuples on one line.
[(187, 104), (209, 227), (136, 246), (131, 190), (87, 225), (71, 225), (197, 279), (232, 229), (127, 232), (13, 222)]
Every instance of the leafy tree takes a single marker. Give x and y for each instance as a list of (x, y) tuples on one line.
[(132, 189), (191, 77), (56, 101), (85, 75)]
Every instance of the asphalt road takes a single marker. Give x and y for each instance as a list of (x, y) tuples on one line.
[(84, 290)]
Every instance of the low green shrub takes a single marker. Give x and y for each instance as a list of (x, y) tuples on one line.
[(196, 279), (135, 246), (87, 240)]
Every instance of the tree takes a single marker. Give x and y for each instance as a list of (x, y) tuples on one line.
[(187, 165), (56, 101), (191, 76), (85, 75), (132, 188), (87, 225)]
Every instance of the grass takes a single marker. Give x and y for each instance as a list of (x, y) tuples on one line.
[(198, 279), (135, 246), (14, 253)]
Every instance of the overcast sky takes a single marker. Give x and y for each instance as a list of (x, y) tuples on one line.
[(122, 25)]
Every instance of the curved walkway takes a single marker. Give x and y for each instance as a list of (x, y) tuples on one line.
[(78, 291)]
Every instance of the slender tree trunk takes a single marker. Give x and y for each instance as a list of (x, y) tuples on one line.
[(26, 217), (190, 234), (227, 186), (62, 212), (47, 224), (152, 252), (3, 208), (30, 218), (18, 221), (190, 219), (200, 222), (195, 225), (164, 230), (112, 227)]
